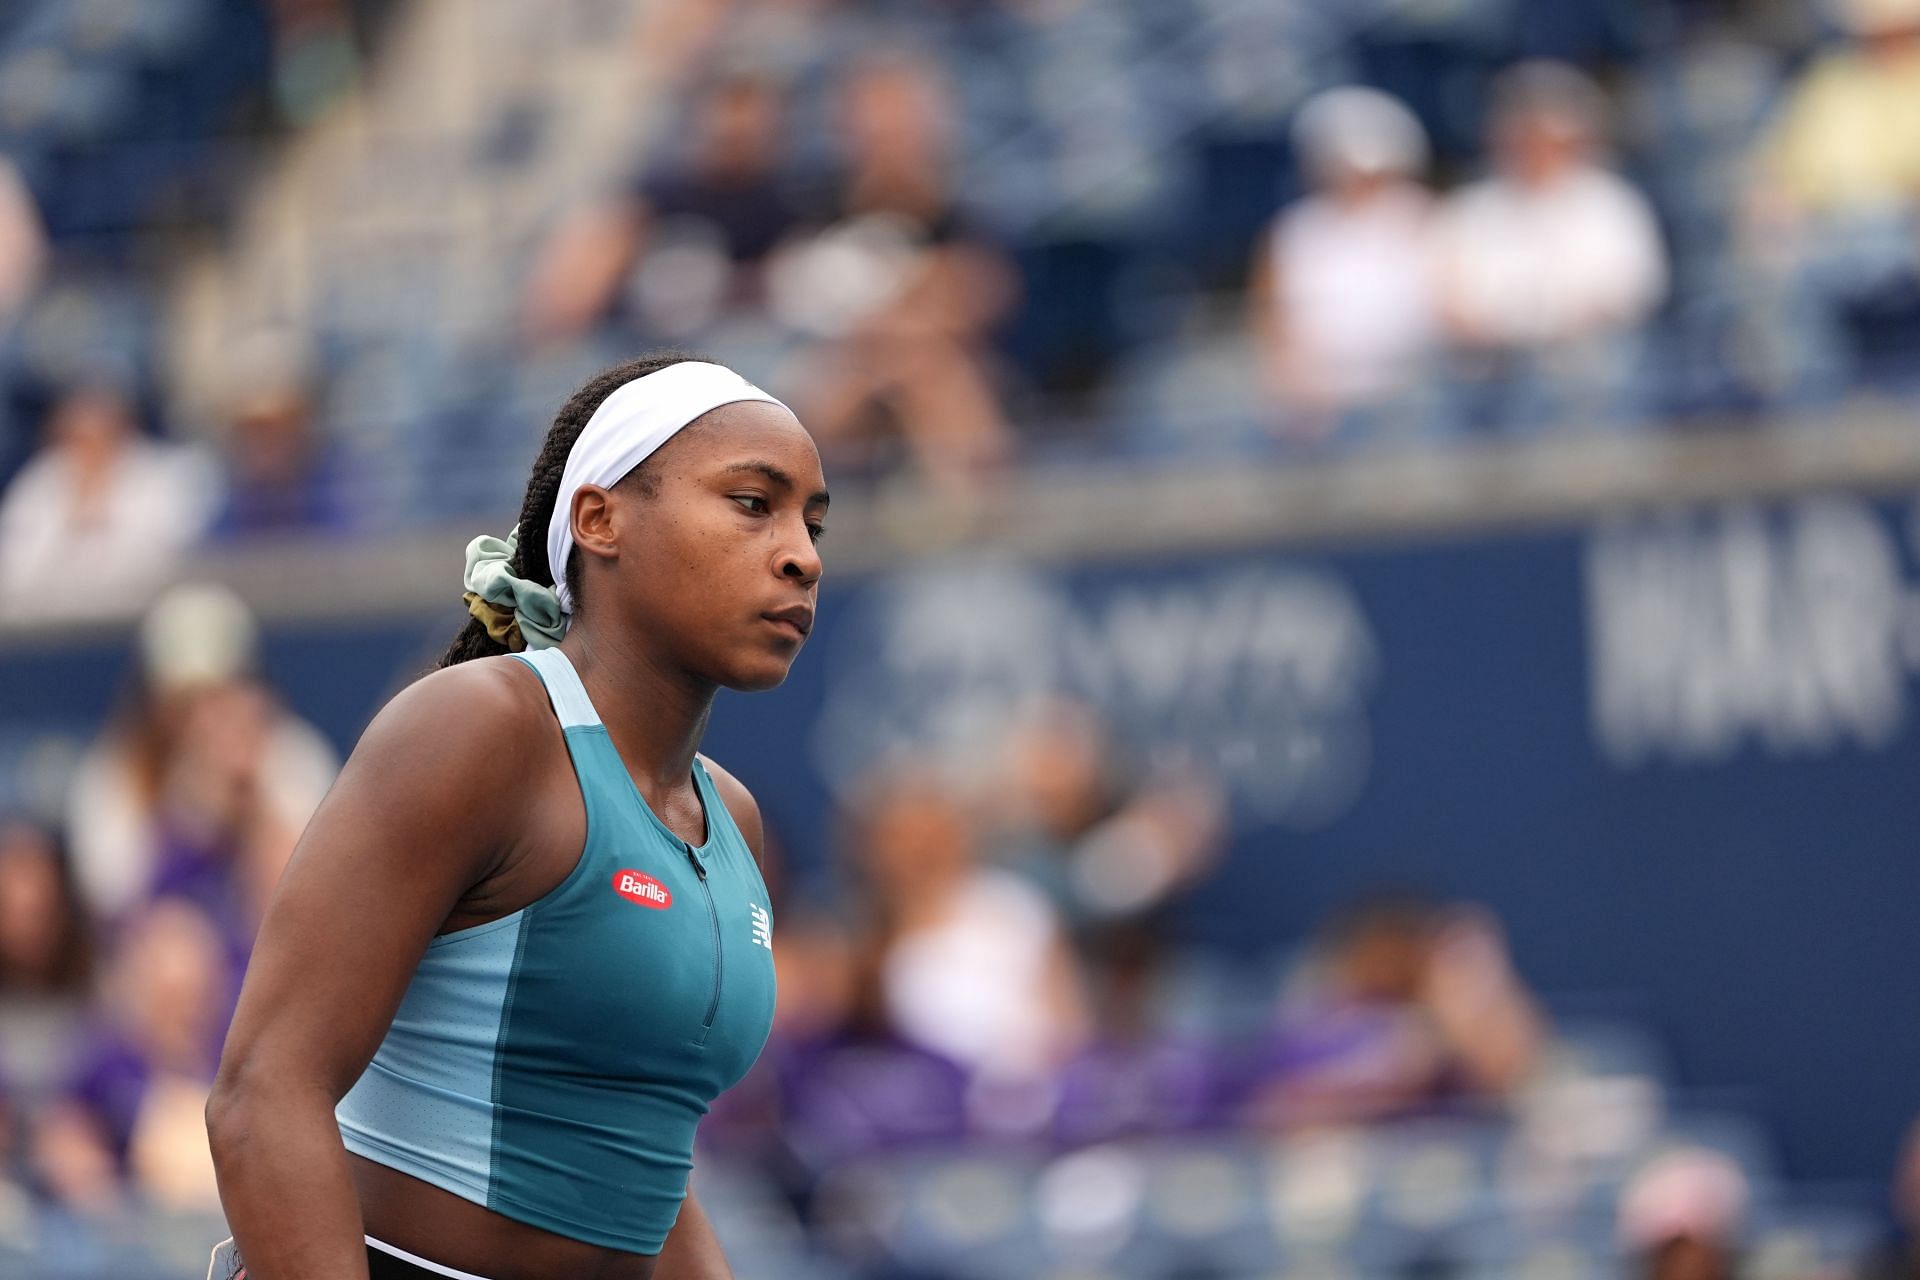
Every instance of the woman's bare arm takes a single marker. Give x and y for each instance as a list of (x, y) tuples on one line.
[(424, 810)]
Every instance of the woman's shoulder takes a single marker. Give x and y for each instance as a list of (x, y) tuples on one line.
[(477, 715), (499, 686)]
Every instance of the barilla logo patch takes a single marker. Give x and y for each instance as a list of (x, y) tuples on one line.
[(638, 886)]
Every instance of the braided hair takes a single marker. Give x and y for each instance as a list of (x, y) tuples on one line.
[(543, 490)]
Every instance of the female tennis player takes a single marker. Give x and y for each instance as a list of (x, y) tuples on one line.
[(525, 942)]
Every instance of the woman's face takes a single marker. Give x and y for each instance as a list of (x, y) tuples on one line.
[(711, 554), (918, 840), (171, 978), (33, 905)]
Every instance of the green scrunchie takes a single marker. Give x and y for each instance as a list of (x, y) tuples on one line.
[(536, 610)]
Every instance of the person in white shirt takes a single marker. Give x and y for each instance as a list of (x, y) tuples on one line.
[(1550, 266), (203, 777), (970, 961), (1345, 304), (99, 518)]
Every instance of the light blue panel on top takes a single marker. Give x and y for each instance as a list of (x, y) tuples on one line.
[(569, 696), (425, 1103)]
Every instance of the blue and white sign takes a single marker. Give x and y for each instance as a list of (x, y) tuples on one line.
[(1259, 671)]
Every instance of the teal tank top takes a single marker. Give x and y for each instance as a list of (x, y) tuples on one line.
[(553, 1064)]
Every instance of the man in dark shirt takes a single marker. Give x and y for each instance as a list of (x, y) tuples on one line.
[(726, 181)]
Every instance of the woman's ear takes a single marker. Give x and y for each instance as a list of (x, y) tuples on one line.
[(595, 522)]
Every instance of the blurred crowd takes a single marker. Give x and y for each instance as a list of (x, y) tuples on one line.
[(963, 235), (128, 911)]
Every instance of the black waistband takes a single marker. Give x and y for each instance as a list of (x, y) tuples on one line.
[(382, 1265)]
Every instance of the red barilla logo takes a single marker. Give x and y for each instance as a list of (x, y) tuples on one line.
[(638, 886)]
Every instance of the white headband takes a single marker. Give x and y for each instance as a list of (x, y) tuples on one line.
[(627, 427)]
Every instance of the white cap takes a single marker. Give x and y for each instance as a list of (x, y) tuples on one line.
[(1360, 129), (197, 633)]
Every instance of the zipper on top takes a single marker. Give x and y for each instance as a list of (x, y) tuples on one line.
[(719, 957)]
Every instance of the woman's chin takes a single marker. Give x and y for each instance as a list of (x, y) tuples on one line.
[(758, 677)]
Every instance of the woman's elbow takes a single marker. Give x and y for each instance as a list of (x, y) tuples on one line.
[(250, 1090), (228, 1105), (241, 1097)]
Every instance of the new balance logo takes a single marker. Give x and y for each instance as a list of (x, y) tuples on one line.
[(638, 886), (762, 925)]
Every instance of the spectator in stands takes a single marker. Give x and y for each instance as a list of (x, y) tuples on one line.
[(708, 218), (1833, 231), (943, 1010), (281, 474), (1102, 845), (966, 960), (1841, 146), (899, 291), (96, 520), (846, 1080), (1111, 849), (1344, 294), (1681, 1216), (45, 949), (1142, 1071), (133, 1115), (1550, 266), (46, 955), (203, 783), (1402, 1004)]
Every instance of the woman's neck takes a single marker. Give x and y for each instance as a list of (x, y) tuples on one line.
[(655, 714)]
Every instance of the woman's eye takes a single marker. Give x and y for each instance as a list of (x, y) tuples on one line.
[(752, 502), (816, 531)]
